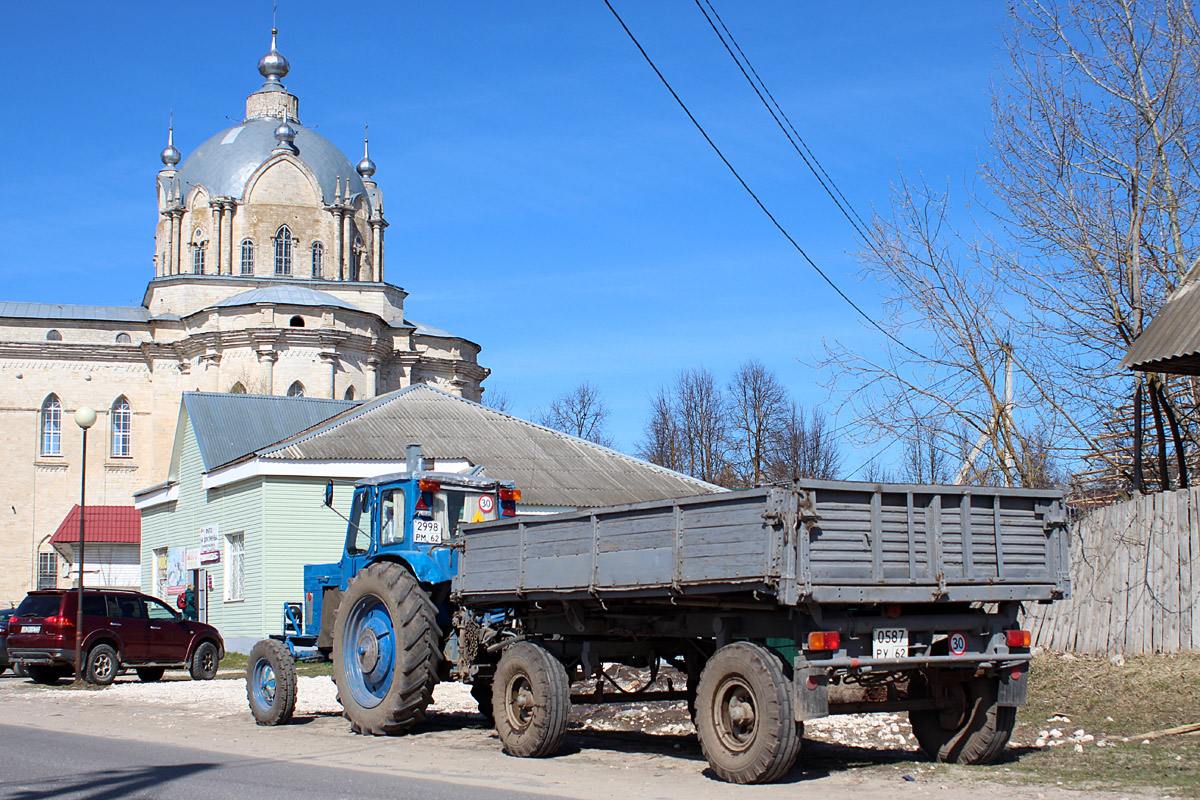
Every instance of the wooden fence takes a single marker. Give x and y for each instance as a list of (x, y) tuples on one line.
[(1135, 580)]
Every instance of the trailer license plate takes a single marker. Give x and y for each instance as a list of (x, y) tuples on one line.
[(427, 531), (890, 643), (31, 629)]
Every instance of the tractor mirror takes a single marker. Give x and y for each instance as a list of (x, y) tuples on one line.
[(329, 494)]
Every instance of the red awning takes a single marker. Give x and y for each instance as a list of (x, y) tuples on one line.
[(110, 524)]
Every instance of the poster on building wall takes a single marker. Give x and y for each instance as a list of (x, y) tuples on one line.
[(176, 575), (210, 551), (191, 558)]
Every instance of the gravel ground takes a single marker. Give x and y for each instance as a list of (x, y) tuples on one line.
[(318, 696)]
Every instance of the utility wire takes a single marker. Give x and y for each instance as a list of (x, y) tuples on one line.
[(794, 139), (750, 191)]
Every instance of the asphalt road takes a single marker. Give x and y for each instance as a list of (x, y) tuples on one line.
[(43, 764)]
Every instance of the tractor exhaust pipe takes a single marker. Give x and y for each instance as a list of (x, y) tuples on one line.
[(412, 455)]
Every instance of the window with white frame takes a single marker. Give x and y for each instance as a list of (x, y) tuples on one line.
[(283, 251), (247, 257), (235, 566), (47, 571), (50, 426), (318, 259), (121, 421), (296, 389)]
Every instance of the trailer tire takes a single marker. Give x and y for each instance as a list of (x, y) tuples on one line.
[(744, 718), (149, 674), (969, 727), (271, 683), (481, 690), (531, 700), (385, 653)]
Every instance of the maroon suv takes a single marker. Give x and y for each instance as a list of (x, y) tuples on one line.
[(120, 628)]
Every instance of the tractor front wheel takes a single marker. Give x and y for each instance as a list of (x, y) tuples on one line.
[(385, 654)]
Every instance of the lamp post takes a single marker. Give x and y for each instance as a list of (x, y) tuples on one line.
[(85, 418)]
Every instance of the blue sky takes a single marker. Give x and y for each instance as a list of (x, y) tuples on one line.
[(546, 197)]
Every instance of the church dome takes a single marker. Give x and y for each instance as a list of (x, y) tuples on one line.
[(225, 162)]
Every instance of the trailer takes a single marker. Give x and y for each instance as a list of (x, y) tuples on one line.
[(780, 605)]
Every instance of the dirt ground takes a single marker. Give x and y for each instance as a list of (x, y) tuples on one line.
[(611, 751)]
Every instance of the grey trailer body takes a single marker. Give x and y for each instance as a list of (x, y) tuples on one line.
[(819, 542)]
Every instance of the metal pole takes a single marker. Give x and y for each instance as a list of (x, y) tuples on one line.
[(79, 607)]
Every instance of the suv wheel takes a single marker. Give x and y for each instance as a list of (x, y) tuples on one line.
[(204, 662), (102, 665)]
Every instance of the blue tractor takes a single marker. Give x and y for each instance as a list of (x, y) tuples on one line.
[(379, 612)]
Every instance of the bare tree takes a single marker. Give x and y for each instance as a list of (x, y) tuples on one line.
[(688, 428), (924, 459), (1096, 112), (498, 400), (580, 412), (757, 404), (803, 447)]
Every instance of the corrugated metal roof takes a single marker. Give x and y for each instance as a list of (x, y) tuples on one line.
[(229, 426), (1174, 333), (73, 312), (284, 295), (109, 524), (551, 468)]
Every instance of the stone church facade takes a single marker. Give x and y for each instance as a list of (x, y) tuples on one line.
[(268, 279)]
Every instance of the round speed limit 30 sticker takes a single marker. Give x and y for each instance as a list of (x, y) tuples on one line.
[(485, 503), (958, 644)]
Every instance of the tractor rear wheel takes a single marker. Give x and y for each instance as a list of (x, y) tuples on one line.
[(385, 654), (271, 683)]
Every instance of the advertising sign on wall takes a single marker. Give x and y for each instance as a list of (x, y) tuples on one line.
[(210, 551), (176, 574)]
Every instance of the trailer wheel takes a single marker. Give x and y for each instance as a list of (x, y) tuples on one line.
[(968, 726), (271, 683), (149, 674), (744, 715), (481, 690), (385, 650), (531, 699)]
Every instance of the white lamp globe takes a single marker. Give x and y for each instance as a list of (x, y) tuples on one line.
[(85, 417)]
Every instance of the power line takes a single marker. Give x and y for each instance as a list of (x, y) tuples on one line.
[(750, 191), (794, 139)]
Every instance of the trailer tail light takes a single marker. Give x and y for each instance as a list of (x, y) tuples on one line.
[(426, 485), (1019, 638), (510, 494), (824, 640), (893, 611)]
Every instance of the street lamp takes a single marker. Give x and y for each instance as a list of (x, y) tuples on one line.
[(85, 418)]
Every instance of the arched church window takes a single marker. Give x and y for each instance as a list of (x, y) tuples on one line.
[(296, 390), (318, 259), (124, 338), (297, 321), (349, 393), (50, 426), (121, 421), (356, 259), (247, 257), (237, 388), (283, 251), (53, 336)]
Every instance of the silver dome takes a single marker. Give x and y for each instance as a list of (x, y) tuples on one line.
[(285, 134), (171, 155), (224, 163), (366, 167), (273, 66)]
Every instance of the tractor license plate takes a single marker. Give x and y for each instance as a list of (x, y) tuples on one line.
[(890, 643), (427, 531), (31, 629)]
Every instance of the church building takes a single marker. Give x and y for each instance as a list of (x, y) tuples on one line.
[(269, 268)]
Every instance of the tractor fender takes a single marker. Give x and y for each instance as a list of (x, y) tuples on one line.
[(426, 569)]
